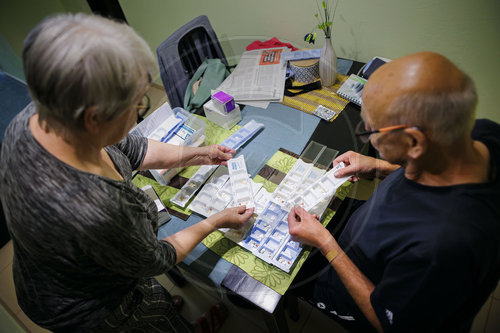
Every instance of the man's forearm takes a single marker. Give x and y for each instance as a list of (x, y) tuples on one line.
[(356, 283), (384, 168)]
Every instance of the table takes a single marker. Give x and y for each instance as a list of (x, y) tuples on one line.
[(208, 266)]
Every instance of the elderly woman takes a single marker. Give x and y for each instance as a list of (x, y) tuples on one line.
[(84, 237)]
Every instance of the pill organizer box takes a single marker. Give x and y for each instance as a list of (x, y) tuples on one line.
[(217, 194), (240, 137), (207, 202), (163, 215), (240, 182), (290, 184), (223, 119), (235, 141), (320, 191), (269, 238), (182, 197)]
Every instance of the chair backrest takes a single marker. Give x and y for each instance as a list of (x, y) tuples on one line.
[(183, 52)]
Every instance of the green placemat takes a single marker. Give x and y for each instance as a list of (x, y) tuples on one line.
[(280, 163), (214, 134)]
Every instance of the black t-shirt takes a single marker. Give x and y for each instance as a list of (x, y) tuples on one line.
[(433, 253)]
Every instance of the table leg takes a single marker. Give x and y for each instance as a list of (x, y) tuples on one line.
[(176, 276)]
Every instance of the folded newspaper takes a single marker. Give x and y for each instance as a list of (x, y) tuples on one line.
[(259, 77)]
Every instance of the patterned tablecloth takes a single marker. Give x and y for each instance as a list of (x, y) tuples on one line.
[(214, 135), (270, 176)]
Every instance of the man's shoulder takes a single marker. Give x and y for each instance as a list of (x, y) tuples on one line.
[(486, 130)]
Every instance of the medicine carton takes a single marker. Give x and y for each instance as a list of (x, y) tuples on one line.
[(223, 119), (223, 102), (190, 133)]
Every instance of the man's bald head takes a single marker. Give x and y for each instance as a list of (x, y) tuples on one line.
[(422, 89)]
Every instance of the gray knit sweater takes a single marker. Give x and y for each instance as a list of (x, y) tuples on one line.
[(80, 240)]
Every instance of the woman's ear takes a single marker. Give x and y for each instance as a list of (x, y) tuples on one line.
[(418, 143), (91, 120)]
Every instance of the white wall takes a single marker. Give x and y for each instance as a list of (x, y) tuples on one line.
[(467, 32)]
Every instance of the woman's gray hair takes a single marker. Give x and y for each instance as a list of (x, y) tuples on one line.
[(72, 62), (444, 116)]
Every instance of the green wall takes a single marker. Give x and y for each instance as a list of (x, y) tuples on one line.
[(18, 17), (467, 32)]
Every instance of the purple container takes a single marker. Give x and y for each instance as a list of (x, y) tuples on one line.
[(223, 101)]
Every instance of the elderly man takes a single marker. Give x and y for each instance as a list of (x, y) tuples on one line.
[(423, 253)]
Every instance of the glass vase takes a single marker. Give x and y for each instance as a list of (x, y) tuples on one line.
[(328, 64)]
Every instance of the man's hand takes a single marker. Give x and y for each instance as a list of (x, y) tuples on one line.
[(233, 217), (306, 229), (361, 166)]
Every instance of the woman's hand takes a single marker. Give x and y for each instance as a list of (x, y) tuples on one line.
[(233, 217), (211, 155), (306, 229)]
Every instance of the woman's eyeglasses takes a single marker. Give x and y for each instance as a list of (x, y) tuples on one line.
[(364, 135), (143, 108)]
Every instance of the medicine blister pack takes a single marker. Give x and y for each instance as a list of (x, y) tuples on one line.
[(324, 113), (240, 182)]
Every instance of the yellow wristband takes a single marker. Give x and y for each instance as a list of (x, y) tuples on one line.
[(332, 254)]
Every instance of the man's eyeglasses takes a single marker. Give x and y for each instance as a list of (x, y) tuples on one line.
[(364, 135), (143, 108)]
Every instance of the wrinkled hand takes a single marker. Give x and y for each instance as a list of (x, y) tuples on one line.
[(233, 217), (211, 155), (218, 154), (306, 229), (357, 165)]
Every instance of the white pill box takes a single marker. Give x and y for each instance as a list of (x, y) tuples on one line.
[(225, 120)]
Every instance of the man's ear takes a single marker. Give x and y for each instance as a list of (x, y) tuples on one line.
[(418, 143), (91, 120)]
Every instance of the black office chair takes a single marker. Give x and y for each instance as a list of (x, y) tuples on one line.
[(14, 97), (180, 55)]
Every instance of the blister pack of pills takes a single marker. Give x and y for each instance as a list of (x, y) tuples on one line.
[(240, 182), (269, 238), (240, 137), (320, 191), (182, 197), (324, 113)]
